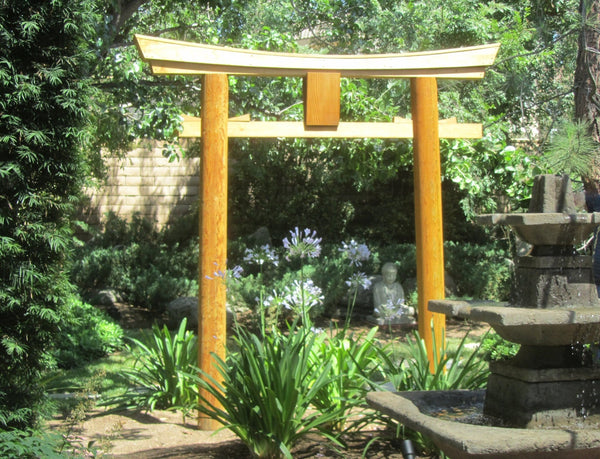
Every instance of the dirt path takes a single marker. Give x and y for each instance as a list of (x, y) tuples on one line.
[(163, 434), (160, 434)]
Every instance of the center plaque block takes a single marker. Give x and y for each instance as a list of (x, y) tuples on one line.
[(321, 99)]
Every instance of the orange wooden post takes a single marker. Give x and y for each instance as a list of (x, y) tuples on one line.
[(428, 208), (212, 325)]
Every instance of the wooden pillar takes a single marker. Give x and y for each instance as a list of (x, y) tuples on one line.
[(428, 208), (212, 325)]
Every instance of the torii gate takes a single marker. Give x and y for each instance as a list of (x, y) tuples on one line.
[(321, 75)]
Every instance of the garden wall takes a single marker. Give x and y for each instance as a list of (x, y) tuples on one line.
[(145, 182)]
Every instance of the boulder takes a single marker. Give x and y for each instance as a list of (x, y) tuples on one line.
[(105, 297), (106, 300), (179, 308)]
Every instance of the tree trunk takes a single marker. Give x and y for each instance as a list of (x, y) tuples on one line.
[(587, 73)]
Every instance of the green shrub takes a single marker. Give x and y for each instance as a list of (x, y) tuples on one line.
[(404, 255), (480, 271), (134, 259), (494, 347), (44, 100), (86, 333), (452, 369), (94, 270), (25, 444), (353, 362), (153, 275), (161, 375), (118, 232), (266, 389), (149, 267)]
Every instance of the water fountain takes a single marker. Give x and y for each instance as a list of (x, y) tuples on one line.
[(545, 401)]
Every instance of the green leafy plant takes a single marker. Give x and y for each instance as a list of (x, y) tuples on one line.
[(457, 369), (86, 333), (45, 98), (29, 444), (480, 270), (146, 266), (494, 347), (572, 150), (353, 362), (266, 391), (66, 442), (488, 171), (161, 377), (72, 444)]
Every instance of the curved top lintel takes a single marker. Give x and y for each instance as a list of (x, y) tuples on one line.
[(179, 57)]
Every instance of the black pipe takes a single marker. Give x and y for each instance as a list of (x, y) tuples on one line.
[(408, 450)]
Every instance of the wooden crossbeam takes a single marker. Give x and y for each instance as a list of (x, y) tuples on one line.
[(399, 129), (179, 57)]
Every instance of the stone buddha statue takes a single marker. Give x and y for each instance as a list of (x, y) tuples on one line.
[(388, 299), (388, 291)]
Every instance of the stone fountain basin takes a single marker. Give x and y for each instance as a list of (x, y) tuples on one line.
[(461, 440), (535, 327), (554, 229)]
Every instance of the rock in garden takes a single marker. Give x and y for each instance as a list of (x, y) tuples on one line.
[(179, 308), (106, 300)]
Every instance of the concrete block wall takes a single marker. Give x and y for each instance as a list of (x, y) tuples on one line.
[(147, 183)]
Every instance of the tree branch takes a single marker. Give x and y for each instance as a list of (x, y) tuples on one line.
[(537, 50), (125, 9)]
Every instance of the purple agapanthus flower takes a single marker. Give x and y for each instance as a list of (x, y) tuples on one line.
[(355, 252), (236, 271), (302, 294), (296, 297), (358, 280), (392, 310), (273, 300), (260, 256), (304, 244), (233, 273)]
